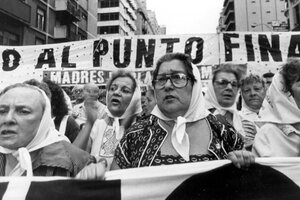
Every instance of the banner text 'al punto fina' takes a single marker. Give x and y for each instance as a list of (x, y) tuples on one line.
[(93, 60)]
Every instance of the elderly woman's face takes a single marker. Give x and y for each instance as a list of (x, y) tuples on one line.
[(253, 94), (226, 88), (119, 95), (172, 101), (21, 112)]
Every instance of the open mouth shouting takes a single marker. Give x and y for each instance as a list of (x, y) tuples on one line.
[(115, 101)]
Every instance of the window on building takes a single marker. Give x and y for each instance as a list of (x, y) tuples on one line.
[(72, 32), (81, 37), (253, 12), (252, 1), (84, 17), (40, 19), (108, 16), (108, 29), (268, 11), (108, 3), (39, 41), (7, 38), (267, 0)]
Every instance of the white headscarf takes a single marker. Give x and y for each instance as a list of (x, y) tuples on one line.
[(195, 112), (212, 102), (135, 104), (46, 135), (247, 112), (278, 107)]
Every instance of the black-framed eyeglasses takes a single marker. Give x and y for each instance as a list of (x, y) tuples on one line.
[(223, 83), (178, 80)]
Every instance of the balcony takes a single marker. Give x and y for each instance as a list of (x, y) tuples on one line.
[(230, 6), (16, 9), (132, 4), (60, 32), (230, 26), (67, 11), (63, 34), (229, 17), (226, 2)]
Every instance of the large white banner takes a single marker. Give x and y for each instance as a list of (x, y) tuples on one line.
[(270, 178), (86, 61)]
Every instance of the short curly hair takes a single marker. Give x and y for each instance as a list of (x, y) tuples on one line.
[(228, 68), (121, 73), (252, 78), (175, 56), (58, 102), (290, 72)]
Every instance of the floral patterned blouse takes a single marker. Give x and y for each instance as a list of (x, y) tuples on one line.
[(140, 146)]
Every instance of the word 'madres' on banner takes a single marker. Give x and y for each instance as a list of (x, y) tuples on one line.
[(100, 77), (261, 51)]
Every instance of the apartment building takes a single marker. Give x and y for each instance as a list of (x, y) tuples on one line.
[(30, 22), (116, 17), (253, 15), (143, 22), (126, 17), (293, 14)]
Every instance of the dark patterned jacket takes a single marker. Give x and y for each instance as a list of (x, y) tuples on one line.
[(143, 140)]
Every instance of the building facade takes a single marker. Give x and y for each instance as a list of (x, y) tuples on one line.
[(293, 14), (125, 17), (253, 15), (31, 22), (116, 17), (162, 30), (143, 23)]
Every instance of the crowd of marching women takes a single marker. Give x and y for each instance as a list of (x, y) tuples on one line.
[(44, 132)]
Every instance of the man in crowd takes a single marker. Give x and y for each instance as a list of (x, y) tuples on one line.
[(77, 94), (268, 78), (90, 91)]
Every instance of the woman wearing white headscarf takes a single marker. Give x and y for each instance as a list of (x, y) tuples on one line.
[(279, 117), (221, 99), (29, 142), (180, 129), (222, 95), (100, 137)]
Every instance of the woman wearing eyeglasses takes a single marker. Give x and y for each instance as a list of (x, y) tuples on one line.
[(180, 129), (221, 98)]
